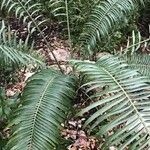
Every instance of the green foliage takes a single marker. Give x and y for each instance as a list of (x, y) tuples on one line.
[(52, 8), (107, 15), (7, 106), (45, 103), (119, 95), (124, 103), (132, 55), (139, 62), (24, 10), (78, 13), (14, 52), (135, 43)]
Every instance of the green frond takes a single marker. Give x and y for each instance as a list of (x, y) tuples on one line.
[(139, 62), (14, 52), (134, 44), (60, 9), (106, 16), (57, 8), (46, 101), (30, 10), (131, 54), (122, 106)]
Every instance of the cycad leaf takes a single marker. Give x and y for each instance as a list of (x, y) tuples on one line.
[(107, 15), (45, 103), (25, 10), (14, 52), (123, 107)]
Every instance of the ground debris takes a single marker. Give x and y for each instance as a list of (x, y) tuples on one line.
[(80, 139)]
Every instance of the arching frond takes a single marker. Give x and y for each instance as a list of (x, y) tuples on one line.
[(122, 105), (107, 15), (14, 52), (30, 10), (26, 10), (45, 103)]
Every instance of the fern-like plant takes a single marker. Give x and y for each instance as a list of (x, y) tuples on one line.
[(106, 15), (122, 108), (14, 52), (120, 95), (132, 55), (24, 10), (44, 105)]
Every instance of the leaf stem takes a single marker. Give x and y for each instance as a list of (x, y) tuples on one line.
[(68, 24), (41, 33)]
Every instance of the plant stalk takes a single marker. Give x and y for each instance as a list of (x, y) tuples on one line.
[(68, 24), (41, 33)]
